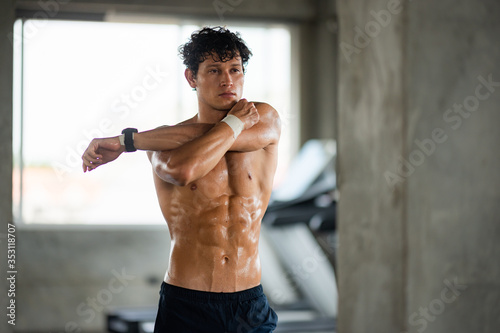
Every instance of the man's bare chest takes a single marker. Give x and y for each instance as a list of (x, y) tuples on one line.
[(235, 174)]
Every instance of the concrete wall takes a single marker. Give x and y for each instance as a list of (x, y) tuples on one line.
[(69, 279), (318, 81), (290, 10), (418, 134)]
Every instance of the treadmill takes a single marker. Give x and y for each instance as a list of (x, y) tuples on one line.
[(299, 229)]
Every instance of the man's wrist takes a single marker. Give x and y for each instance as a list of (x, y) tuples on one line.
[(235, 123), (127, 139)]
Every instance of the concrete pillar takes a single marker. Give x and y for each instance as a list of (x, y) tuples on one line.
[(453, 202), (6, 24), (371, 259), (419, 93)]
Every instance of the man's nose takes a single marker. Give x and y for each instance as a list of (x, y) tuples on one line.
[(226, 79)]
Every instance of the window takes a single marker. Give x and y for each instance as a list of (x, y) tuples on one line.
[(78, 80)]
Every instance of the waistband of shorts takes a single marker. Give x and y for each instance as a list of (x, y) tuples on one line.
[(207, 296)]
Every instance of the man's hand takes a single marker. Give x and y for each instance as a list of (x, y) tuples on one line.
[(101, 151), (246, 112)]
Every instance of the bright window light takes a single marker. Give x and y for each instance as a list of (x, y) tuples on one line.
[(78, 80)]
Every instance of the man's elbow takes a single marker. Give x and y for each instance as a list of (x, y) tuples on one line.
[(180, 175)]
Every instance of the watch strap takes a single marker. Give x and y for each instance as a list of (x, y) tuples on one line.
[(129, 139)]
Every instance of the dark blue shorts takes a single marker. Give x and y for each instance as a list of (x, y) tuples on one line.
[(183, 310)]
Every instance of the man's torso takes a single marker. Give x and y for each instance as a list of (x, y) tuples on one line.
[(214, 222)]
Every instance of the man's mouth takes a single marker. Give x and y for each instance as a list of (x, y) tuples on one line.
[(227, 94)]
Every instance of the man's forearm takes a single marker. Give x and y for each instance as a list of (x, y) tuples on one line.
[(169, 137), (195, 158), (173, 137), (166, 138)]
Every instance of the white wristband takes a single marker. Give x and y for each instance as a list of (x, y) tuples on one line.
[(235, 123), (122, 138)]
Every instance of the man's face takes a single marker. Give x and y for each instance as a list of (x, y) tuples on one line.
[(220, 84)]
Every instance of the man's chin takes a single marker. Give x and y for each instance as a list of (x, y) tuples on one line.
[(226, 107)]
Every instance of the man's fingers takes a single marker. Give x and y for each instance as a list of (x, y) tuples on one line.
[(91, 156), (89, 167), (101, 151), (246, 111), (89, 163)]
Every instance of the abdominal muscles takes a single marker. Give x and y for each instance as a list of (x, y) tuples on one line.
[(214, 242)]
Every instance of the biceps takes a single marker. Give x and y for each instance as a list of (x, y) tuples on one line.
[(258, 137)]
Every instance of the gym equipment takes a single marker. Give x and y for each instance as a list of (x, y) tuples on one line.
[(299, 226)]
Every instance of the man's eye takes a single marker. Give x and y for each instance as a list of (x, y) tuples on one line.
[(213, 71)]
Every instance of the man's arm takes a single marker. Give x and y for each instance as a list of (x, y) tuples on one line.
[(103, 150), (181, 154), (265, 132), (196, 158)]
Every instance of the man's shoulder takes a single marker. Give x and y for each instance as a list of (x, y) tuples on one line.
[(191, 120), (266, 110), (270, 121), (264, 106), (184, 122)]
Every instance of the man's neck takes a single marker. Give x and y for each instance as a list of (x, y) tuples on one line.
[(209, 115)]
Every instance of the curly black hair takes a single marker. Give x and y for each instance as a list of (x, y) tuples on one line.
[(217, 42)]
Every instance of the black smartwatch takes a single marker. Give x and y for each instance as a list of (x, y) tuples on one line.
[(129, 139)]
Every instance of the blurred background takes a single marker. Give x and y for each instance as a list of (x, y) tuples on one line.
[(384, 215)]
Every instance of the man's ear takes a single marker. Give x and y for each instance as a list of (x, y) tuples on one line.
[(190, 77)]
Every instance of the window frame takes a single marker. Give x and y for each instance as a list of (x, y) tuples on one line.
[(18, 103)]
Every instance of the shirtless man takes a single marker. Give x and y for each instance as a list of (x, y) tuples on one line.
[(213, 175)]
